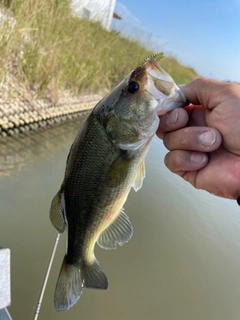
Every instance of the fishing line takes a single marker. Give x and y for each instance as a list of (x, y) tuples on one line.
[(39, 304)]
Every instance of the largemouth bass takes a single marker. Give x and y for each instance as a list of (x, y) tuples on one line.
[(106, 160)]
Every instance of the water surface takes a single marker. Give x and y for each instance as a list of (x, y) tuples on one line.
[(182, 263)]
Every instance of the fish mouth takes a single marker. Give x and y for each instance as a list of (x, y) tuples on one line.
[(163, 88)]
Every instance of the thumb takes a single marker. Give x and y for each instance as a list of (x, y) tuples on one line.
[(209, 93)]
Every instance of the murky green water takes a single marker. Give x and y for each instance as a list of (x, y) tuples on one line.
[(183, 262)]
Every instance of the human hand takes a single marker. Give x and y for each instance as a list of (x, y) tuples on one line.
[(204, 137)]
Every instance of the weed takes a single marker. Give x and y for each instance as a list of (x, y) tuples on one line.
[(45, 46)]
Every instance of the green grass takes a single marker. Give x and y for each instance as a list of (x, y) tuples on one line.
[(49, 48)]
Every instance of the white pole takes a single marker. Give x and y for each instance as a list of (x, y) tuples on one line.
[(46, 278)]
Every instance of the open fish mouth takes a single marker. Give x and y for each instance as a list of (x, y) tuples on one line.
[(163, 88)]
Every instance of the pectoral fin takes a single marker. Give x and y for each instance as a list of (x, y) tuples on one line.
[(137, 184), (56, 214), (119, 170), (120, 231)]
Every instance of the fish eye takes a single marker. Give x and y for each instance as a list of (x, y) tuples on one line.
[(133, 87)]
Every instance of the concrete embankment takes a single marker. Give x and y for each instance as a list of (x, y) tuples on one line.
[(21, 110)]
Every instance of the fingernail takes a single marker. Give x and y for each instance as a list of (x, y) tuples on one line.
[(198, 158), (207, 138), (172, 117)]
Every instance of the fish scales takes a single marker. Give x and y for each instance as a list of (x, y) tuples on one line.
[(105, 161), (89, 188)]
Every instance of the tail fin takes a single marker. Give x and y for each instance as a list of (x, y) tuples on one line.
[(94, 277), (73, 279)]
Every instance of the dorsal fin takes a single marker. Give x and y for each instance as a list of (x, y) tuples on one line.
[(56, 214)]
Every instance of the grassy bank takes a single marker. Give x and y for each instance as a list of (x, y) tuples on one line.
[(49, 48)]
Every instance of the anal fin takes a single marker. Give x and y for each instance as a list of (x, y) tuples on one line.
[(120, 231)]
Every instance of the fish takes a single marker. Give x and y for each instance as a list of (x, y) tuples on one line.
[(105, 161)]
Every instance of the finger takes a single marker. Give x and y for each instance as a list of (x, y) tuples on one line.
[(191, 115), (210, 93), (197, 115), (179, 161), (203, 139), (171, 121)]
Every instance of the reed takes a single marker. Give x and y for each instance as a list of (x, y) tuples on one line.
[(47, 48)]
